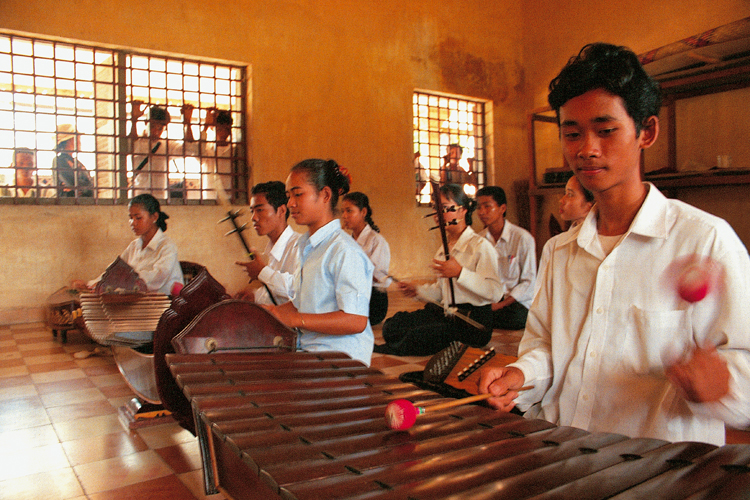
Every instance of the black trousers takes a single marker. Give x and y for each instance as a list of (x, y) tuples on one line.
[(378, 306), (428, 331), (512, 317)]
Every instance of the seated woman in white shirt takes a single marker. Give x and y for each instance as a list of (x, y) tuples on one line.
[(473, 267), (153, 255), (356, 215)]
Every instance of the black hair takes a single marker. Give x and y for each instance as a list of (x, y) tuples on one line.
[(322, 173), (614, 69), (496, 192), (275, 193), (159, 113), (456, 193), (362, 202), (151, 205), (224, 117)]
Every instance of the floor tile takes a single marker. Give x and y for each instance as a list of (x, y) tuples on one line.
[(97, 448), (22, 413), (118, 472), (65, 386), (20, 391), (183, 457), (13, 371), (51, 367), (30, 437), (23, 462), (66, 398), (59, 484), (58, 376), (160, 436), (67, 413), (167, 487), (88, 427)]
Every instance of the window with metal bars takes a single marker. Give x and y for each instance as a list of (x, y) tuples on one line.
[(81, 124), (449, 142)]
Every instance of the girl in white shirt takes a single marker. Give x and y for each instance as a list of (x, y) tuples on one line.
[(152, 255), (356, 215)]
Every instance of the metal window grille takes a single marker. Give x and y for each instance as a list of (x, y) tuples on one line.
[(441, 121), (51, 91)]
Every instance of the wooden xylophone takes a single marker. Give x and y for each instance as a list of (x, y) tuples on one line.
[(311, 426)]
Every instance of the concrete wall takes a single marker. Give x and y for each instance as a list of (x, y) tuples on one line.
[(330, 79)]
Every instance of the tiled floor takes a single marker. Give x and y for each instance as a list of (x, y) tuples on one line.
[(62, 439)]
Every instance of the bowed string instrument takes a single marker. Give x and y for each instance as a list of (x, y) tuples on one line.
[(232, 216), (440, 211)]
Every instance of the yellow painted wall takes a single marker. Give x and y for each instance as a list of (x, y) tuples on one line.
[(334, 79), (330, 79), (557, 30)]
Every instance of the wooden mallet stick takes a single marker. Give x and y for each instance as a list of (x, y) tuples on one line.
[(401, 413)]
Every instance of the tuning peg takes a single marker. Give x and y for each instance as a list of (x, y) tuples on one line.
[(447, 223), (452, 208)]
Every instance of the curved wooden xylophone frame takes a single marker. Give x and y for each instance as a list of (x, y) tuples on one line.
[(311, 426)]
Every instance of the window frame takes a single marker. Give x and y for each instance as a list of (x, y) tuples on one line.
[(431, 112), (91, 87)]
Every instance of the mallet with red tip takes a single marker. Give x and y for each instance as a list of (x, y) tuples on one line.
[(401, 413)]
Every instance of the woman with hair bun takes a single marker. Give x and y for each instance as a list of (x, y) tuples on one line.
[(333, 280), (356, 215), (153, 255), (473, 267)]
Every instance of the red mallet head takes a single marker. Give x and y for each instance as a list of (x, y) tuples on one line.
[(401, 414), (697, 280)]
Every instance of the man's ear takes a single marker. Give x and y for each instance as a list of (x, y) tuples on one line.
[(282, 210), (503, 209), (649, 132)]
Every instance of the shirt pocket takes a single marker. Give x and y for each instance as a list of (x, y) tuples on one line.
[(655, 337)]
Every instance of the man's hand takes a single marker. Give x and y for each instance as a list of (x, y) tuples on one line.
[(702, 377), (407, 288), (447, 268), (502, 382), (137, 109), (253, 267)]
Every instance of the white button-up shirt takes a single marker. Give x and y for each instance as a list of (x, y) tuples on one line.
[(601, 326), (516, 251), (478, 284), (376, 247), (278, 274)]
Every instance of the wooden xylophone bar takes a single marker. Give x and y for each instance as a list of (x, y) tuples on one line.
[(314, 428)]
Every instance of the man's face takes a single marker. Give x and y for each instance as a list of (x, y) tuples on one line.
[(599, 140), (156, 128), (488, 211), (454, 154), (24, 169), (265, 218)]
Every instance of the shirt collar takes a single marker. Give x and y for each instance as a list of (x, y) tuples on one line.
[(463, 240), (277, 252), (322, 234), (158, 237), (364, 234), (652, 220)]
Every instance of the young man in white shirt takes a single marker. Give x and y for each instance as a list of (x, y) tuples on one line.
[(516, 251), (610, 345), (275, 266)]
